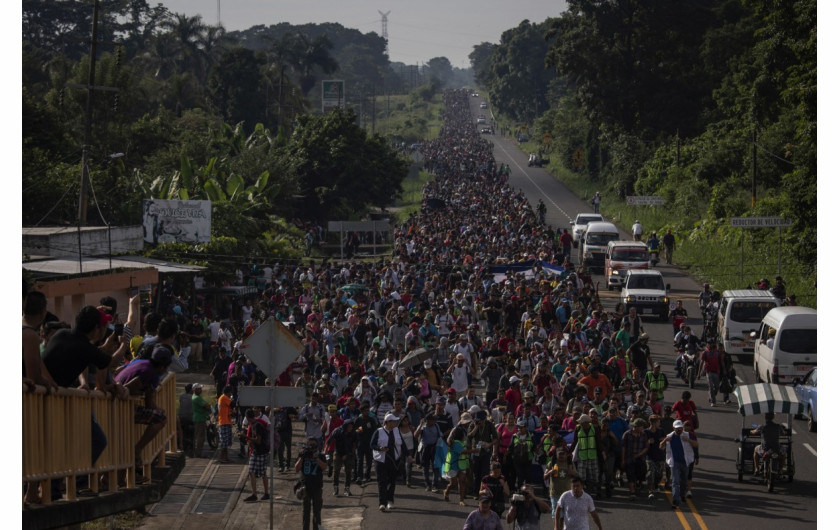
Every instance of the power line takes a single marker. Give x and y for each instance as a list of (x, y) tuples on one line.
[(774, 155)]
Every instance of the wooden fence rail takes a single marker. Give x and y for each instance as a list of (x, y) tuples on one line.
[(57, 437)]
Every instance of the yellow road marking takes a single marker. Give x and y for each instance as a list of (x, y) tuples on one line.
[(696, 515), (679, 513)]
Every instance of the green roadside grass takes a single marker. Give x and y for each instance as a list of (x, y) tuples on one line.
[(708, 254)]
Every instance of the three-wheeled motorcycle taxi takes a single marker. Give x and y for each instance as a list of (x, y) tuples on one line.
[(754, 401)]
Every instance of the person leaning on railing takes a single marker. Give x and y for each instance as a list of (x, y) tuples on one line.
[(142, 377), (70, 352)]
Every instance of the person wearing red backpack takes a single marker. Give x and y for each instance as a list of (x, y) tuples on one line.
[(257, 438)]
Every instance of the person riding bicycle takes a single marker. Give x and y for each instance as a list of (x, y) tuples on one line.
[(668, 242), (770, 433)]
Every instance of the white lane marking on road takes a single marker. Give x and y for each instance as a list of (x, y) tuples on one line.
[(793, 431), (534, 183), (808, 447)]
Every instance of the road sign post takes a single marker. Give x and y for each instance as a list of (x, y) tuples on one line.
[(645, 200), (760, 222), (272, 347)]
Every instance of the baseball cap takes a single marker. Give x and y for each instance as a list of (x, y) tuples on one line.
[(678, 424), (451, 390), (513, 379), (440, 400), (391, 417), (584, 419)]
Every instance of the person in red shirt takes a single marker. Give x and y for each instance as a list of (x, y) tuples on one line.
[(506, 341), (685, 409), (711, 359), (566, 242), (513, 395)]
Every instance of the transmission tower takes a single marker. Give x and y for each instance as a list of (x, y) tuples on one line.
[(385, 29)]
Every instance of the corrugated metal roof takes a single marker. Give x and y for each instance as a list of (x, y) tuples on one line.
[(91, 265)]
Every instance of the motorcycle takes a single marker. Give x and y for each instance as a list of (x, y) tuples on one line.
[(689, 364), (758, 399), (770, 467), (654, 257), (211, 435)]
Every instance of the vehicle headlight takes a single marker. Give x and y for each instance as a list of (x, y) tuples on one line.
[(630, 298), (665, 299), (614, 272)]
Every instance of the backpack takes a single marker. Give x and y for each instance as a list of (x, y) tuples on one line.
[(521, 453), (261, 430)]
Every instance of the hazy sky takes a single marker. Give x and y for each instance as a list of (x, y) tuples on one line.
[(418, 30)]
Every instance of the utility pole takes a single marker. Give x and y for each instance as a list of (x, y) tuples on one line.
[(754, 168), (88, 125), (373, 113), (90, 87), (678, 148)]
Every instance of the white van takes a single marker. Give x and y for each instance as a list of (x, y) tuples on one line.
[(621, 257), (594, 248), (786, 345), (740, 313)]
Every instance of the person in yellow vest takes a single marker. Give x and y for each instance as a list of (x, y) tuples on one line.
[(656, 383), (586, 445)]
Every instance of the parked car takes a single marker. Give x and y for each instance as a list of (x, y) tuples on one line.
[(806, 391), (522, 138), (482, 105), (486, 130), (481, 120)]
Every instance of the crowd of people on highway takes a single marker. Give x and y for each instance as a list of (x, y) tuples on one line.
[(476, 362), (453, 368)]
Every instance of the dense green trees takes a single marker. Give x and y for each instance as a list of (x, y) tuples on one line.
[(677, 99), (198, 115)]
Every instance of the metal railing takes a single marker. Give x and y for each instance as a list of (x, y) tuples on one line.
[(57, 437)]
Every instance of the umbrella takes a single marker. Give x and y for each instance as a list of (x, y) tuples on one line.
[(763, 397), (416, 357), (354, 288), (435, 204)]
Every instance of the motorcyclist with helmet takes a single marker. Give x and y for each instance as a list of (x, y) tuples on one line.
[(653, 248), (770, 433)]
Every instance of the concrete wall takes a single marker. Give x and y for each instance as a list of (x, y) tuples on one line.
[(63, 242), (66, 297)]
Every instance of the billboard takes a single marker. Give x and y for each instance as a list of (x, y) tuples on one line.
[(170, 221), (332, 94)]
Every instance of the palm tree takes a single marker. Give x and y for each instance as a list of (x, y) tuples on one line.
[(188, 33), (312, 53)]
